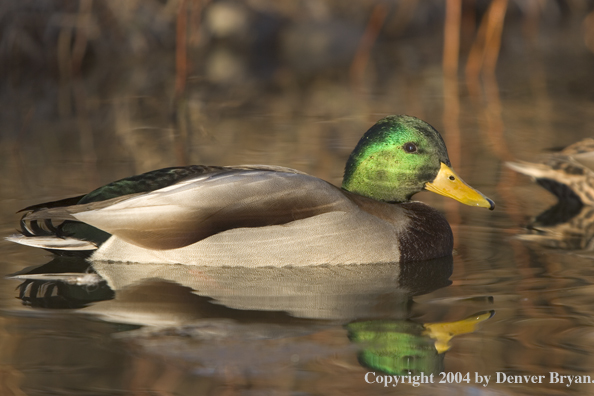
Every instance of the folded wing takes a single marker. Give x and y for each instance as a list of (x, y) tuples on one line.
[(196, 208)]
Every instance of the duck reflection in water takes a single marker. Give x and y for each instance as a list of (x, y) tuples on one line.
[(569, 175), (219, 317)]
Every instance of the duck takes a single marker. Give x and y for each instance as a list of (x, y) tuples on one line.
[(260, 215), (567, 174)]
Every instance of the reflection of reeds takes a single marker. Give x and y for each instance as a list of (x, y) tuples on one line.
[(485, 50), (375, 23), (589, 30), (451, 102), (181, 49)]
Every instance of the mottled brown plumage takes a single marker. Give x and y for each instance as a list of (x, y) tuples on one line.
[(573, 167)]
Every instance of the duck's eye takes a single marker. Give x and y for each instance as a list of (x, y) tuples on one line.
[(410, 147)]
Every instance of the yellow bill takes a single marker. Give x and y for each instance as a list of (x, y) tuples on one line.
[(449, 184)]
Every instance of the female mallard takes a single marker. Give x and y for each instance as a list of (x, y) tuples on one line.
[(266, 215), (568, 174)]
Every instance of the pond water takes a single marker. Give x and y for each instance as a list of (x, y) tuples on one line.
[(501, 304)]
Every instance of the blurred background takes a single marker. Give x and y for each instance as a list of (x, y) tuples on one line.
[(97, 90), (117, 88)]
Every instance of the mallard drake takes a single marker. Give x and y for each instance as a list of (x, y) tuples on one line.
[(568, 174), (259, 215)]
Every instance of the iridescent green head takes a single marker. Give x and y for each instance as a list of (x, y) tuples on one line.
[(400, 156)]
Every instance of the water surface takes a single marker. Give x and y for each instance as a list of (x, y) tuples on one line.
[(134, 329)]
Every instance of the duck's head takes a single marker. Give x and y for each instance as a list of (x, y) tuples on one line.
[(400, 156)]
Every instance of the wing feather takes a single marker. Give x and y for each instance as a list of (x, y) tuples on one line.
[(196, 208)]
